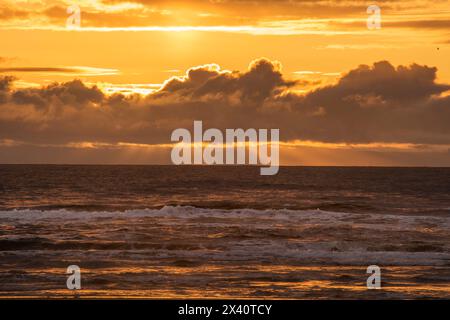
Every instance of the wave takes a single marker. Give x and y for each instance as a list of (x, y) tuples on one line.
[(191, 212), (197, 235)]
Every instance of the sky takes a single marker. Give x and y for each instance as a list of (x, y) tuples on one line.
[(112, 89)]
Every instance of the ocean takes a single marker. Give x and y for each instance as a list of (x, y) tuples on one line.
[(224, 231)]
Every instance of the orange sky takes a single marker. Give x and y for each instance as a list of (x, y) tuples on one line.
[(137, 45)]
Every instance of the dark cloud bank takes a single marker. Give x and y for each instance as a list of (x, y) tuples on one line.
[(378, 103)]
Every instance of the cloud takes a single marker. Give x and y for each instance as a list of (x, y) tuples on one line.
[(5, 83), (73, 93), (5, 86), (421, 24), (7, 13), (380, 103), (85, 71), (369, 104), (5, 60), (261, 80), (249, 17), (409, 23), (37, 69), (403, 84)]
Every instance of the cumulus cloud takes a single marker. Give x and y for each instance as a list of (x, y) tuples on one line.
[(261, 80), (378, 103), (382, 103)]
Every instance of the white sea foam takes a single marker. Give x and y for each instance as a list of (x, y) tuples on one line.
[(387, 221), (299, 236)]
